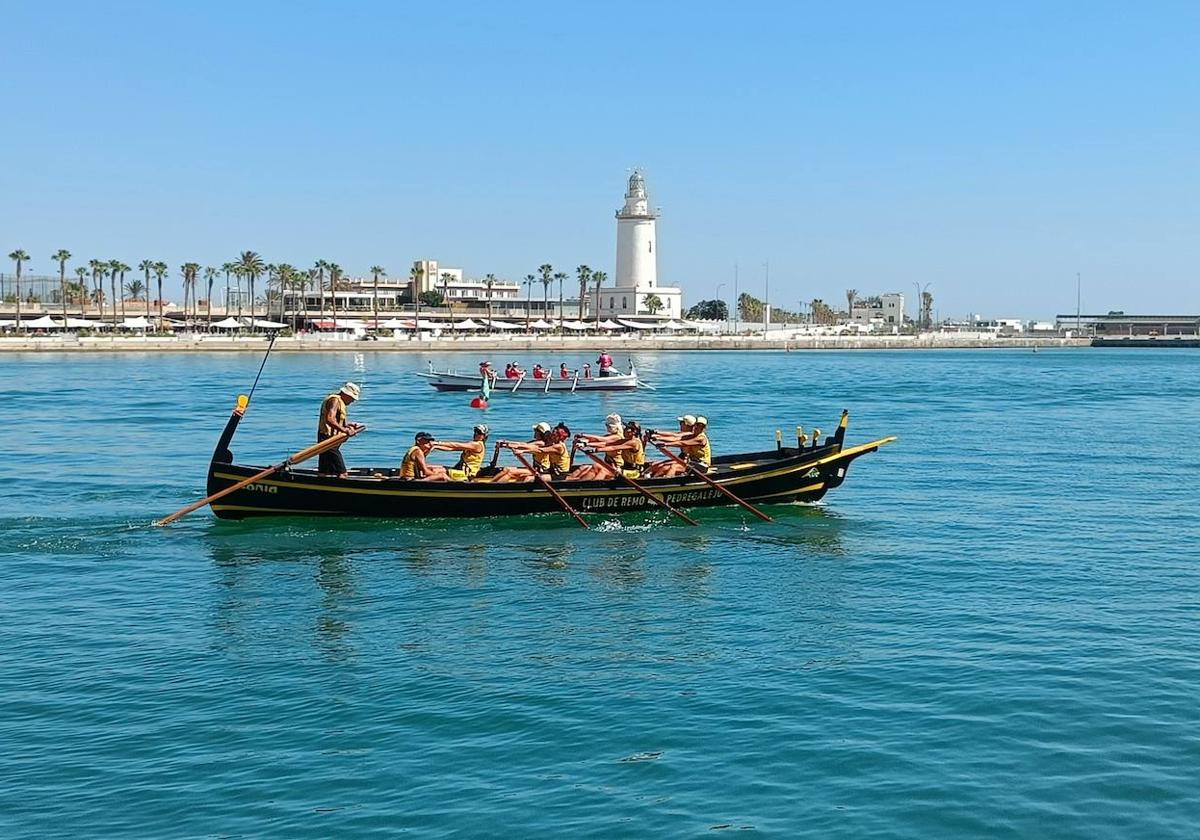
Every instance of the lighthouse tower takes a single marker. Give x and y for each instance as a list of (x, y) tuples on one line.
[(637, 262), (635, 292)]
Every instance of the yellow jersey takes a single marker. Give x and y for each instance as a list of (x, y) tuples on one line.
[(471, 462), (409, 467), (701, 452), (324, 430)]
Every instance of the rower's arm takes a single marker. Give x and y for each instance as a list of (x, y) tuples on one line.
[(331, 419)]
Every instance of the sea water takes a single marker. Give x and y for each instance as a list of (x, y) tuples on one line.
[(991, 630)]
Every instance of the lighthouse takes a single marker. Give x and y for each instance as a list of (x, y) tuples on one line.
[(637, 263), (636, 292)]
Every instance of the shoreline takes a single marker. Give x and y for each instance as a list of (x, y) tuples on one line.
[(308, 344)]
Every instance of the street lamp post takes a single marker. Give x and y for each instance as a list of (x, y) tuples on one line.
[(719, 287)]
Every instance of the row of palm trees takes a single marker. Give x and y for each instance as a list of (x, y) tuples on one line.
[(248, 269)]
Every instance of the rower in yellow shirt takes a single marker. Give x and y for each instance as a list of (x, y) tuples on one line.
[(415, 467), (470, 459)]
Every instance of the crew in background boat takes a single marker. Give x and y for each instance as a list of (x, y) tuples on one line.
[(549, 451), (414, 466), (540, 372), (626, 454), (607, 368), (587, 370), (471, 452), (563, 373), (693, 444), (485, 369), (332, 421)]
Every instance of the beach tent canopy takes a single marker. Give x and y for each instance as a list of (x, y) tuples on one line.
[(609, 324), (138, 323), (502, 325), (83, 324), (468, 324), (6, 324), (269, 325), (230, 323), (638, 325), (541, 324), (43, 323), (395, 324), (578, 326)]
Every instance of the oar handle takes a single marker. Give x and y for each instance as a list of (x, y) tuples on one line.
[(714, 484), (542, 479)]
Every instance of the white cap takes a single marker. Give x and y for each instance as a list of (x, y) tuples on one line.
[(688, 419), (350, 390), (613, 421), (542, 427), (701, 420)]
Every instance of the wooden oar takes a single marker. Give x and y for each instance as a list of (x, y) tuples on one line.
[(656, 499), (520, 379), (541, 478), (575, 382), (709, 481), (302, 455)]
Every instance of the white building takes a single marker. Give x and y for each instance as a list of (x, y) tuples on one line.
[(637, 262), (885, 310)]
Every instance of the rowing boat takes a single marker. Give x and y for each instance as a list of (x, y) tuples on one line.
[(781, 475), (452, 381)]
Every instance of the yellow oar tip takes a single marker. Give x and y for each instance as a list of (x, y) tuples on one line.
[(242, 401)]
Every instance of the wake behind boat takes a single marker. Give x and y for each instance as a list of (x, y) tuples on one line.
[(782, 475)]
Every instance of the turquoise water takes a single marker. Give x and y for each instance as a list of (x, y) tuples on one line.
[(989, 631)]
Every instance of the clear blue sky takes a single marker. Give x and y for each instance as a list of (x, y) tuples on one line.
[(989, 149)]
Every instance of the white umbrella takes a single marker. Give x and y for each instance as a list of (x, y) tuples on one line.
[(395, 324), (43, 323), (468, 324), (609, 324), (138, 323), (541, 324), (576, 325), (230, 323), (269, 325), (502, 325), (83, 323), (7, 324)]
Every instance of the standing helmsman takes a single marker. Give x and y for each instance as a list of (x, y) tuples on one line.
[(333, 422)]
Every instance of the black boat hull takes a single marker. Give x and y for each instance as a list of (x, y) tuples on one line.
[(778, 476)]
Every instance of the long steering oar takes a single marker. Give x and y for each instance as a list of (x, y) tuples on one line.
[(709, 481), (557, 496), (302, 455), (658, 500)]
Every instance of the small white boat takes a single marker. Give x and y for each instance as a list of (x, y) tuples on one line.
[(452, 381)]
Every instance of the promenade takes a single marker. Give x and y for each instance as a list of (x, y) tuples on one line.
[(206, 343)]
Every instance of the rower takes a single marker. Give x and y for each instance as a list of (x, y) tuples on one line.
[(332, 421), (539, 372), (587, 370), (550, 454), (563, 373), (661, 469), (612, 432), (695, 446), (605, 362), (628, 455), (414, 466), (470, 459), (485, 369)]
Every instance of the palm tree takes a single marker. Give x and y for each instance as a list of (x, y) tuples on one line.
[(319, 267), (97, 268), (81, 272), (376, 270), (134, 288), (227, 269), (585, 275), (114, 269), (160, 271), (560, 276), (529, 281), (489, 280), (851, 296), (653, 304), (417, 273), (252, 264), (335, 280), (210, 274), (18, 256), (598, 277), (927, 307), (547, 272), (446, 278), (146, 266), (61, 256)]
